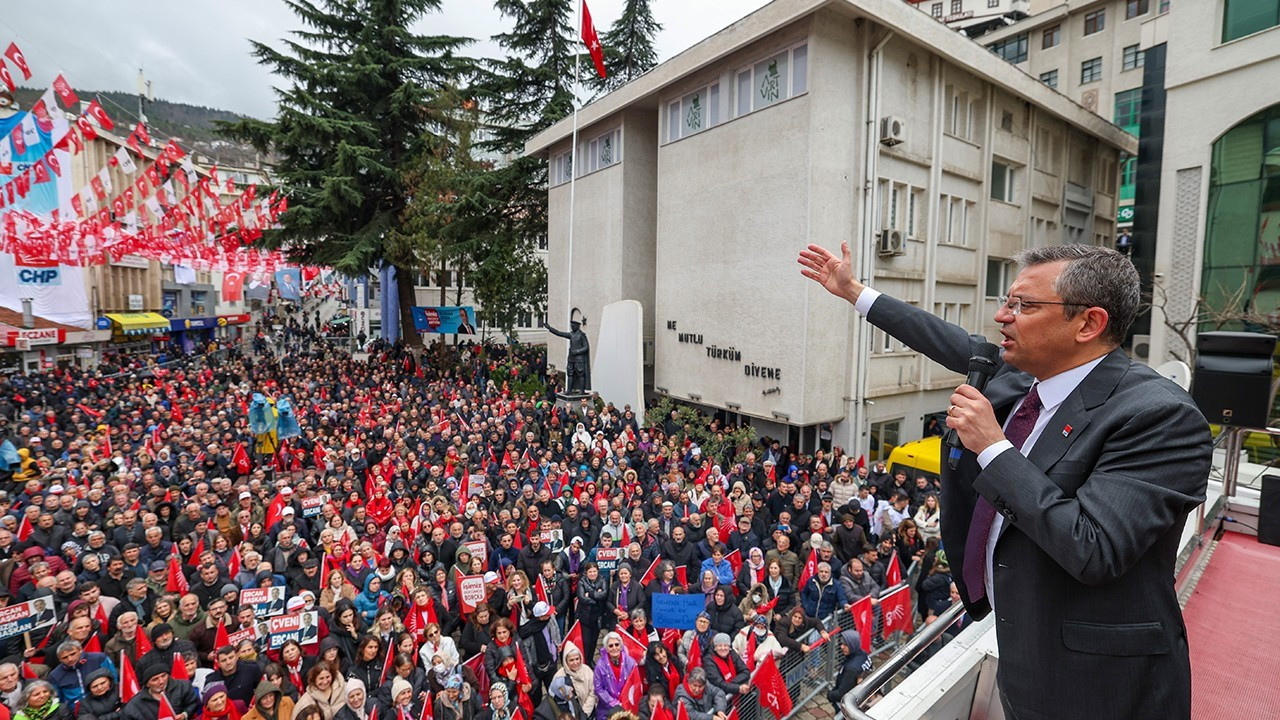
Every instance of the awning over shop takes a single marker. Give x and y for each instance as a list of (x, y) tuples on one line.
[(143, 323)]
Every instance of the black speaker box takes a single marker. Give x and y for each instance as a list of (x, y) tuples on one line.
[(1232, 382), (1269, 511)]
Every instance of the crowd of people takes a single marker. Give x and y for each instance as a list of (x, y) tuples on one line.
[(139, 506)]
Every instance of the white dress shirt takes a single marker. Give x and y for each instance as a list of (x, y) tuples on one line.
[(1053, 392)]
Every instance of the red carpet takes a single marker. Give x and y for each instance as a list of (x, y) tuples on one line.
[(1233, 621)]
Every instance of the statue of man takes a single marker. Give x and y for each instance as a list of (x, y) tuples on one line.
[(578, 367)]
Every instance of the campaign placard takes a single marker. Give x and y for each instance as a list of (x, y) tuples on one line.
[(312, 506), (607, 558), (470, 592), (478, 548), (302, 627), (234, 639), (266, 602), (27, 616)]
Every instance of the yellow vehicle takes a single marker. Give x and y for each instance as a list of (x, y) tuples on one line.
[(921, 457)]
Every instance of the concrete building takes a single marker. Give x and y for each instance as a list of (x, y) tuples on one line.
[(818, 121), (1209, 196), (1090, 51), (975, 17)]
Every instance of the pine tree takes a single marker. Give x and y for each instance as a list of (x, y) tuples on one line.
[(501, 211), (348, 129), (628, 47)]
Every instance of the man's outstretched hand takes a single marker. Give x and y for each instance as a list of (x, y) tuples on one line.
[(831, 272)]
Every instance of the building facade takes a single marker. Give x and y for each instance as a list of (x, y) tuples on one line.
[(817, 122), (975, 17)]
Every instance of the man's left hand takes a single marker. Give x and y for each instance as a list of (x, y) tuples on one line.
[(974, 419)]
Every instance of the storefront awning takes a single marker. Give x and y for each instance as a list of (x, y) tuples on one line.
[(143, 323)]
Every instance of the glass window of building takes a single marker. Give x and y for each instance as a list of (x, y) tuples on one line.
[(1000, 274), (694, 112), (1246, 17), (1095, 22), (936, 10), (957, 6), (603, 150), (1050, 78), (1091, 71), (884, 438), (1051, 37), (1013, 49), (1241, 271), (1001, 181), (772, 80), (1133, 58), (1134, 8), (1129, 109)]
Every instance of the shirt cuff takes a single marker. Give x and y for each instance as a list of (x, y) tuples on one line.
[(865, 299), (994, 449)]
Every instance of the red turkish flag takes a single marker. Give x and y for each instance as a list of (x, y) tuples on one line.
[(166, 709), (17, 58), (175, 581), (179, 671), (77, 204), (19, 142), (65, 92), (173, 152), (773, 689), (240, 458), (682, 713), (862, 618), (24, 528), (7, 78), (94, 644), (592, 41), (810, 569), (896, 610), (128, 678), (634, 647), (86, 128), (98, 189), (52, 161), (893, 574), (232, 286), (631, 693), (96, 112), (575, 636), (735, 561), (141, 131)]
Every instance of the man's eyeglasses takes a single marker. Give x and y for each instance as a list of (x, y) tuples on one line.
[(1015, 304)]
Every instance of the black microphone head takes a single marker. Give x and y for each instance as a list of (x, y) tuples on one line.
[(984, 359)]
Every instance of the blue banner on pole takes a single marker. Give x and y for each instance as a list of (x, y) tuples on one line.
[(677, 611)]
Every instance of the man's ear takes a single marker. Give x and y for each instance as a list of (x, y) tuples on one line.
[(1094, 323)]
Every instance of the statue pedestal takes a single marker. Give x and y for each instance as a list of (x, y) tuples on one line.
[(572, 401)]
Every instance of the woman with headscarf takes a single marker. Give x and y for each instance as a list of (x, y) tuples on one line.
[(752, 572), (501, 706), (612, 671), (702, 633), (576, 670), (370, 599), (357, 703), (457, 701), (853, 663), (663, 668), (725, 616), (400, 700), (580, 435), (755, 642), (725, 668), (101, 699)]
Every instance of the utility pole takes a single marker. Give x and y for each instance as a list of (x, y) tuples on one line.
[(144, 96)]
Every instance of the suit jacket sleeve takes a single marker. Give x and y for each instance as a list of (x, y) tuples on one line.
[(1151, 471), (948, 345)]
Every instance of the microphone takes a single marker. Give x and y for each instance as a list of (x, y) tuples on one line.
[(981, 367)]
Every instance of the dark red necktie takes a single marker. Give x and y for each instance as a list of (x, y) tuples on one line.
[(984, 515)]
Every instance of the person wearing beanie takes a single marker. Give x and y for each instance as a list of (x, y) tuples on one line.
[(156, 681), (217, 705), (164, 643), (725, 668), (402, 701)]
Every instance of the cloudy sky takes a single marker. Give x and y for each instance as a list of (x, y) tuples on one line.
[(197, 51)]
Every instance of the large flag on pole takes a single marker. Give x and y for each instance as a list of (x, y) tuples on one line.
[(592, 41)]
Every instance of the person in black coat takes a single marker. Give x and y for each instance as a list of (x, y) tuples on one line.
[(625, 595), (475, 633), (561, 703), (725, 616), (146, 704), (101, 701), (682, 552), (725, 668), (403, 668), (592, 595)]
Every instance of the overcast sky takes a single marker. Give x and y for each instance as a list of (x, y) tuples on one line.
[(197, 51)]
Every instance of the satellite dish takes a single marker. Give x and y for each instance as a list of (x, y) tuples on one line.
[(1177, 371)]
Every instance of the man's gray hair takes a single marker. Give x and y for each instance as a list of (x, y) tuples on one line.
[(68, 646), (697, 675), (1094, 277)]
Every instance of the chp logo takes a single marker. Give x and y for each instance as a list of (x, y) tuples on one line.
[(36, 271)]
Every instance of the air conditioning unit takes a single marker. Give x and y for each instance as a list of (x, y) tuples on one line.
[(893, 130), (1141, 346), (892, 242)]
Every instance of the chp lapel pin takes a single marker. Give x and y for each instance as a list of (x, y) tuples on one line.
[(1066, 430)]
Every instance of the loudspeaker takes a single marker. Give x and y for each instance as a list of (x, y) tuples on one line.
[(1232, 383), (1269, 511)]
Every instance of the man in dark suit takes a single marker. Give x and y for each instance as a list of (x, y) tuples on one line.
[(1080, 467)]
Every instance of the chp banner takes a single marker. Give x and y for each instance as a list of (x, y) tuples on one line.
[(445, 320), (302, 627), (266, 602), (26, 616)]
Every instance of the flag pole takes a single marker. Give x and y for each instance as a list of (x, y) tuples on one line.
[(573, 168)]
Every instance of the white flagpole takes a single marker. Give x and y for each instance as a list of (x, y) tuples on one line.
[(573, 166)]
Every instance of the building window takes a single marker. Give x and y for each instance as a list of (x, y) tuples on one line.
[(1128, 178), (884, 438), (1051, 37), (769, 82), (957, 6), (1095, 22), (954, 220), (1134, 8), (1134, 58), (1001, 181), (1129, 109), (936, 10), (960, 113), (1091, 71), (1050, 78), (1246, 17), (561, 168), (899, 206), (199, 300), (993, 3), (1000, 274), (603, 151), (694, 112), (1013, 49), (169, 301)]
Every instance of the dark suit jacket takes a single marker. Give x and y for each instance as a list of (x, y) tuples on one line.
[(1087, 620)]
